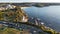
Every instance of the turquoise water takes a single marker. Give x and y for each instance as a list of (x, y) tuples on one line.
[(49, 15)]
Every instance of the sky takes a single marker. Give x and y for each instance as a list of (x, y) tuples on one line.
[(19, 1)]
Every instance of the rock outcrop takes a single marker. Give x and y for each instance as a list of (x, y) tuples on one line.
[(13, 15)]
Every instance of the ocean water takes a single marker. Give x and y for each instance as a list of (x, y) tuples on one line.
[(49, 15)]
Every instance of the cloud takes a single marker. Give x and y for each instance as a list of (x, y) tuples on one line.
[(50, 1)]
